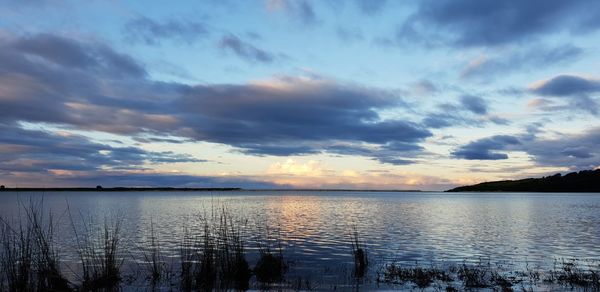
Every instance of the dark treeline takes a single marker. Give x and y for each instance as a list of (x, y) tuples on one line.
[(582, 181)]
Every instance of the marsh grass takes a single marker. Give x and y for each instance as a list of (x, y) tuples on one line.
[(215, 256), (571, 273), (421, 277), (477, 276), (234, 269), (99, 251), (154, 262), (359, 254), (271, 266), (29, 258), (186, 260)]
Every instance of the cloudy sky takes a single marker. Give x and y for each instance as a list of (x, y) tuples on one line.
[(377, 94)]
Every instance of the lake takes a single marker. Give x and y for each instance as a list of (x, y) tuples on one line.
[(514, 230)]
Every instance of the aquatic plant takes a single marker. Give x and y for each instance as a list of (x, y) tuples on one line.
[(271, 266), (359, 254), (234, 270), (570, 273), (155, 264), (422, 277), (215, 257), (99, 253), (29, 258), (478, 276)]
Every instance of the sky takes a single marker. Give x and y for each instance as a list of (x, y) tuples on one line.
[(360, 94)]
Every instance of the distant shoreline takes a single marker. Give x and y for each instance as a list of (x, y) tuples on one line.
[(173, 189)]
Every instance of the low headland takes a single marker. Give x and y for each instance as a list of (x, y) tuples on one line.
[(582, 181)]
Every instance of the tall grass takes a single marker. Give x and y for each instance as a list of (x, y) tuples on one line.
[(99, 253), (154, 262), (215, 256), (271, 266), (29, 257), (359, 254)]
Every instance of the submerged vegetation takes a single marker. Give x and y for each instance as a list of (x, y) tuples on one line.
[(213, 256)]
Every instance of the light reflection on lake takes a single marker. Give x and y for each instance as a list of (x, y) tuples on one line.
[(314, 227)]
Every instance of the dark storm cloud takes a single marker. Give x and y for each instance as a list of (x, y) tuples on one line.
[(73, 160), (575, 151), (474, 104), (40, 151), (284, 116), (491, 22), (396, 153), (575, 93), (68, 53), (487, 148), (565, 85), (245, 50), (293, 112), (469, 110), (151, 32)]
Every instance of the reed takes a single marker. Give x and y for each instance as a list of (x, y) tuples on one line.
[(29, 257), (359, 254), (154, 261), (422, 277), (215, 256), (271, 266), (99, 253)]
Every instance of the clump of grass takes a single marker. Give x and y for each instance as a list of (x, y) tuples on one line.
[(505, 283), (359, 254), (186, 259), (155, 264), (422, 277), (29, 258), (234, 269), (17, 258), (571, 274), (205, 272), (302, 284), (271, 266), (215, 258), (99, 254), (477, 276)]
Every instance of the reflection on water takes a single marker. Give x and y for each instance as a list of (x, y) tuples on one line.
[(314, 227)]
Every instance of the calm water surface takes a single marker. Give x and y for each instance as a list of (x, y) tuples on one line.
[(514, 229)]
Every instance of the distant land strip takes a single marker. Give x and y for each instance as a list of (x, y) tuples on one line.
[(169, 189), (115, 189), (579, 182)]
